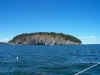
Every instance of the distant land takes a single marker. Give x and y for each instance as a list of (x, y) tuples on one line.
[(45, 38), (3, 43)]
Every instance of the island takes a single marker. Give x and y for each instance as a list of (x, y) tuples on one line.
[(45, 38), (4, 43)]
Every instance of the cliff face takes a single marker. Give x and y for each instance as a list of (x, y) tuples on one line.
[(45, 38)]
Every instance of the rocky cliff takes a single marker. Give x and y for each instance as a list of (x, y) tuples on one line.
[(45, 38)]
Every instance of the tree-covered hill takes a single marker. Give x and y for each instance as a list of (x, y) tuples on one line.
[(45, 38)]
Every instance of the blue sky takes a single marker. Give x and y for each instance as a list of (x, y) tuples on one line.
[(79, 18)]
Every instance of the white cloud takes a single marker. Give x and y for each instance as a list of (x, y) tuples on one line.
[(4, 39), (90, 40)]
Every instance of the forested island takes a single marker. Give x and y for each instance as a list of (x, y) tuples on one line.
[(45, 38)]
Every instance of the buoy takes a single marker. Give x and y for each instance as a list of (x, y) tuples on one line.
[(17, 58)]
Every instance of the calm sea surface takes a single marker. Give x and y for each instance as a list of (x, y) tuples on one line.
[(49, 60)]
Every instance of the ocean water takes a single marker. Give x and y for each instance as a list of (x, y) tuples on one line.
[(49, 60)]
